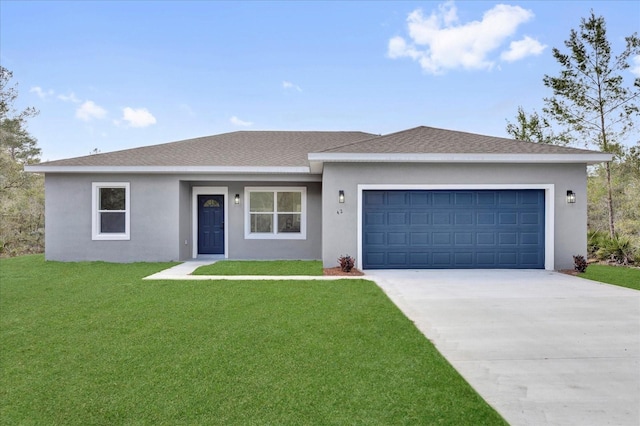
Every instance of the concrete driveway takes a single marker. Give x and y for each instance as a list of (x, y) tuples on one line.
[(543, 348)]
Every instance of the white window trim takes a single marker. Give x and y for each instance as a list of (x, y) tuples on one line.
[(96, 235), (209, 190), (549, 209), (302, 235)]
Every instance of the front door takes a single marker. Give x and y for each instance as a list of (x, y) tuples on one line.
[(210, 224)]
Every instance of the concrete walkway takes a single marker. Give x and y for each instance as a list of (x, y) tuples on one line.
[(543, 348), (183, 271)]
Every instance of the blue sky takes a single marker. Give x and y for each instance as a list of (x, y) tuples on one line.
[(117, 75)]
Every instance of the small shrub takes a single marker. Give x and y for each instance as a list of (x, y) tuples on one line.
[(617, 249), (346, 263), (580, 263)]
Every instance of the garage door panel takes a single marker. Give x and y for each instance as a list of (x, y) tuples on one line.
[(374, 218), (397, 218), (487, 198), (419, 218), (507, 198), (529, 238), (463, 238), (530, 218), (486, 238), (397, 238), (397, 259), (453, 229), (441, 199), (374, 238), (507, 218), (420, 238), (463, 198), (440, 218), (464, 218), (486, 219), (421, 258), (463, 259)]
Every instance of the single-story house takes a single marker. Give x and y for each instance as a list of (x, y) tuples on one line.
[(418, 198)]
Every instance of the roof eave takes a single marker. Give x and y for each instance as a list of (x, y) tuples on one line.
[(316, 160), (38, 168)]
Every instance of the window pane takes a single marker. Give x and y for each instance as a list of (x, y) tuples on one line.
[(261, 202), (289, 223), (289, 201), (112, 198), (112, 223), (262, 223)]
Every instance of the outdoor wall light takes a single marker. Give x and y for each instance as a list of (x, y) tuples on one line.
[(236, 199), (571, 197), (341, 196)]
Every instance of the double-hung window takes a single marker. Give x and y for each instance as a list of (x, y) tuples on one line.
[(110, 211), (276, 213)]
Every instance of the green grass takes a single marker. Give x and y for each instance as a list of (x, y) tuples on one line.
[(271, 267), (617, 275), (91, 343)]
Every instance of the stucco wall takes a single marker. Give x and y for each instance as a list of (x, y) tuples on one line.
[(154, 219), (340, 220), (161, 220)]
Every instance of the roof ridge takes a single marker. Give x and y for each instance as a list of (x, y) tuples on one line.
[(375, 137)]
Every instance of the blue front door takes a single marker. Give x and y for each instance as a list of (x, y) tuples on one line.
[(210, 224)]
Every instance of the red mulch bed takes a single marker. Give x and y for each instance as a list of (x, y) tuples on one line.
[(337, 271)]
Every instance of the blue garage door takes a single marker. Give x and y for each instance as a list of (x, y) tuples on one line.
[(453, 229)]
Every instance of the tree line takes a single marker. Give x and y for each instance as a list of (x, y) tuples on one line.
[(592, 107), (21, 194)]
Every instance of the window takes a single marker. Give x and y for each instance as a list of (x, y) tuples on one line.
[(110, 211), (275, 213)]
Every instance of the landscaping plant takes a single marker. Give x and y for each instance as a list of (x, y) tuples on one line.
[(346, 263), (580, 263)]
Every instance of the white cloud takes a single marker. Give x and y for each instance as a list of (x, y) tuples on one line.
[(635, 65), (42, 94), (71, 97), (290, 85), (522, 48), (237, 122), (439, 42), (89, 110), (140, 117)]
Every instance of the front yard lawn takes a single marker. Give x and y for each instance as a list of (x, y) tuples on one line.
[(271, 267), (91, 343), (617, 275)]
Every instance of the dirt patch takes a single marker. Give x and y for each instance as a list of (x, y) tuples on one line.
[(337, 271), (569, 272)]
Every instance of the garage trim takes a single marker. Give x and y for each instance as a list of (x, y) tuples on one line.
[(549, 208)]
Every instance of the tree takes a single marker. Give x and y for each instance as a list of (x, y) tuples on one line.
[(589, 96), (533, 128), (21, 194), (14, 138)]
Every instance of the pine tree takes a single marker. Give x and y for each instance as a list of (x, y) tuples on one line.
[(590, 98)]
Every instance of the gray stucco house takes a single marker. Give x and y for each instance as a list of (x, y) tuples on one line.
[(419, 198)]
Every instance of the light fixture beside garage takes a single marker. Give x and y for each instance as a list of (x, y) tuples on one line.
[(236, 199), (341, 196), (571, 197)]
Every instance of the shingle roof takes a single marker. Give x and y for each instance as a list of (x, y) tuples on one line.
[(292, 148), (236, 149), (429, 140)]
